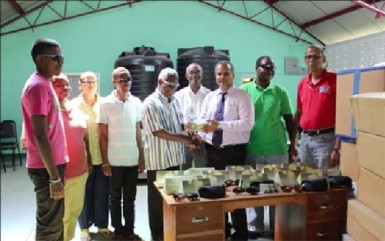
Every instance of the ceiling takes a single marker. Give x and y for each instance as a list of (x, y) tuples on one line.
[(327, 22)]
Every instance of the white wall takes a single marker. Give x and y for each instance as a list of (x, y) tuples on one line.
[(356, 53)]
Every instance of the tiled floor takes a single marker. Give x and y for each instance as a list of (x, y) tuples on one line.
[(18, 208)]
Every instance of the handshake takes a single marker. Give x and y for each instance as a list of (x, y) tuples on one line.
[(193, 142), (199, 125)]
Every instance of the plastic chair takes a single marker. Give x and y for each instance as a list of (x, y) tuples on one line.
[(2, 161), (9, 141)]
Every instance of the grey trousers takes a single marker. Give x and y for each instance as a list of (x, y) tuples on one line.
[(315, 151)]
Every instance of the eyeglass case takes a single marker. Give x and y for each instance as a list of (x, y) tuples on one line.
[(315, 185), (212, 191), (340, 181)]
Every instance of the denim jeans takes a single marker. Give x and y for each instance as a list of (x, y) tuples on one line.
[(50, 212), (96, 200)]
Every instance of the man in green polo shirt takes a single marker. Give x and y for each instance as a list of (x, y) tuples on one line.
[(268, 143)]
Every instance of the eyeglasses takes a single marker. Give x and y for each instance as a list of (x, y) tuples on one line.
[(314, 56), (171, 85), (180, 197), (55, 57), (121, 80), (89, 82), (297, 188), (267, 67)]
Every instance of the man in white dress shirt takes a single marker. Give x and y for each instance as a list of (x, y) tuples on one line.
[(190, 99)]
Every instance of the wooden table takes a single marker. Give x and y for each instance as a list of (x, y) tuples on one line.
[(298, 216)]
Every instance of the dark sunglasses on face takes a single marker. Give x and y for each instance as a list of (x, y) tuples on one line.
[(267, 67), (171, 85), (314, 56), (121, 80), (55, 57)]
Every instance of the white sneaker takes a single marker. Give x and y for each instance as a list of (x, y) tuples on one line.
[(253, 229)]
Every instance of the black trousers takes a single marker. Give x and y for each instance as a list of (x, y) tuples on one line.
[(123, 184), (155, 204), (219, 158), (50, 212)]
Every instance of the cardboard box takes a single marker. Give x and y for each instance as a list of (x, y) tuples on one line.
[(348, 161), (369, 112), (371, 153), (364, 224), (371, 191), (352, 82)]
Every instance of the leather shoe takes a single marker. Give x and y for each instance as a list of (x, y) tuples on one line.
[(254, 235), (238, 237)]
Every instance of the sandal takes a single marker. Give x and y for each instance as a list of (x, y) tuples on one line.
[(106, 233), (85, 235)]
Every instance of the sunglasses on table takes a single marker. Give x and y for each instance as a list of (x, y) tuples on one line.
[(249, 190), (313, 56), (296, 188), (55, 57), (180, 197), (121, 80)]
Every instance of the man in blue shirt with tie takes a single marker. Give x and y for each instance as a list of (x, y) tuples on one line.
[(230, 112)]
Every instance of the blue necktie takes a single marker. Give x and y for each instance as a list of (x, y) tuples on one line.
[(218, 135)]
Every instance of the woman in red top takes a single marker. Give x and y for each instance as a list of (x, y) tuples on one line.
[(76, 172)]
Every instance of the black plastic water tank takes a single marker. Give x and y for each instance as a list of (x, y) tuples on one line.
[(206, 57), (144, 64)]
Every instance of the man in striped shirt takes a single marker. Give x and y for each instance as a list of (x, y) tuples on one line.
[(162, 123)]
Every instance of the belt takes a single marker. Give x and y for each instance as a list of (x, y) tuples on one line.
[(224, 146), (319, 132)]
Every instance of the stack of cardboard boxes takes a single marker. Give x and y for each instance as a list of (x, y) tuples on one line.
[(352, 82), (360, 122), (366, 214)]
